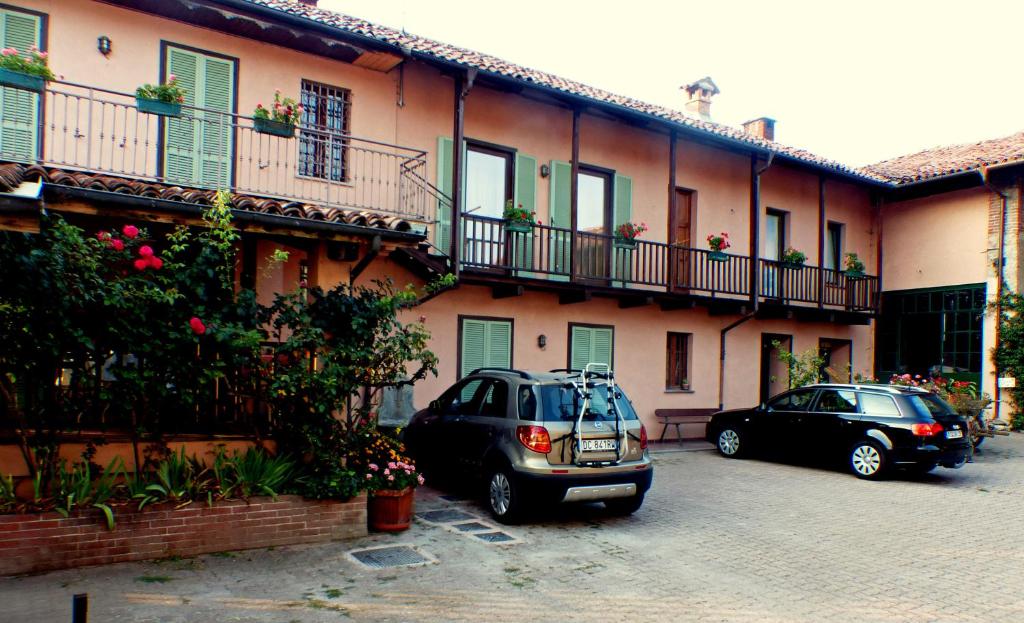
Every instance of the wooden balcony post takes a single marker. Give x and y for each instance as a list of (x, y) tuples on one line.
[(755, 233), (821, 241), (673, 205), (462, 86), (574, 192)]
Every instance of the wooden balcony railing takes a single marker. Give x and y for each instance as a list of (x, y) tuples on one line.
[(91, 129), (490, 245)]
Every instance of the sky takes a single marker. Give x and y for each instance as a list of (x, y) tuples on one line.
[(857, 81)]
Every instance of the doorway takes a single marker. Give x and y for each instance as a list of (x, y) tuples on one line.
[(837, 366), (774, 372), (680, 236)]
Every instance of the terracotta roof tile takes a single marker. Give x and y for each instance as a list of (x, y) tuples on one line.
[(492, 64), (950, 159), (13, 175)]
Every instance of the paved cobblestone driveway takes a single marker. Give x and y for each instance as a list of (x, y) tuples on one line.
[(718, 540)]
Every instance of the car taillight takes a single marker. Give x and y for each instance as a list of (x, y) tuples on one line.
[(535, 438), (643, 437), (926, 430)]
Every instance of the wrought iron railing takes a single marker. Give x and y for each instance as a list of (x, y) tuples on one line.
[(545, 252), (97, 130)]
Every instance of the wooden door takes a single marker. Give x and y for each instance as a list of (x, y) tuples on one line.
[(680, 235)]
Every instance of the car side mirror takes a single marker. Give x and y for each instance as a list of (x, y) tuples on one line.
[(765, 407)]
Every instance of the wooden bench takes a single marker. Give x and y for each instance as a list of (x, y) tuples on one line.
[(678, 417)]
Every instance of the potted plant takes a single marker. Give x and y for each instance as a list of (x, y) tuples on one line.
[(854, 267), (30, 73), (161, 99), (627, 233), (518, 219), (718, 243), (793, 259), (281, 119), (391, 487)]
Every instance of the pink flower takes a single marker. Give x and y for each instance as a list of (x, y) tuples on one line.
[(197, 325), (118, 245), (44, 54), (392, 464), (420, 479), (369, 476), (145, 251), (140, 264), (156, 263), (171, 78), (374, 467), (387, 471), (391, 477), (130, 231), (102, 235)]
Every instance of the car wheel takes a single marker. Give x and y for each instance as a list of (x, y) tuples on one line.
[(504, 499), (867, 460), (731, 443), (625, 506)]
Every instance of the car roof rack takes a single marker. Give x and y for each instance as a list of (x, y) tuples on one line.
[(577, 371), (522, 375)]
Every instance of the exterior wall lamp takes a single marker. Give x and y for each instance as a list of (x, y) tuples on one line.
[(103, 44), (545, 170), (542, 340)]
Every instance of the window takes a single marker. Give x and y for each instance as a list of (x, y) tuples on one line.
[(590, 344), (793, 401), (484, 343), (775, 235), (834, 246), (878, 405), (837, 401), (323, 142), (592, 202), (463, 399), (488, 180), (198, 147), (19, 121), (677, 374), (561, 404), (495, 400)]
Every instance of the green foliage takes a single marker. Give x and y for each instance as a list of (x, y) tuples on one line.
[(854, 263), (75, 487), (178, 479), (1008, 356), (8, 500), (805, 368), (35, 63), (170, 91), (257, 473)]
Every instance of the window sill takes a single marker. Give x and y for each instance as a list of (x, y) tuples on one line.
[(679, 391)]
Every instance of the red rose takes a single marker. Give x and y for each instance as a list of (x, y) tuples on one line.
[(130, 231), (102, 235), (118, 245), (197, 326), (156, 263), (145, 251), (141, 264)]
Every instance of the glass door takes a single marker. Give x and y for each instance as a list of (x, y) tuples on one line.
[(593, 223), (488, 188)]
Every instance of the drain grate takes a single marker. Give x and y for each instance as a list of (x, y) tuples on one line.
[(445, 516), (385, 557), (471, 526), (495, 537)]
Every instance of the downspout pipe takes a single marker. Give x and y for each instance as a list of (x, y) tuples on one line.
[(721, 356), (755, 227), (1000, 265)]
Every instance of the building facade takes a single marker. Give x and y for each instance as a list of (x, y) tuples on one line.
[(409, 151)]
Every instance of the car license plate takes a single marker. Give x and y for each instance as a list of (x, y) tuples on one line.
[(954, 434), (599, 445)]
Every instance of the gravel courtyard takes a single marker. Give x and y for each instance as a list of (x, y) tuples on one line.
[(717, 540)]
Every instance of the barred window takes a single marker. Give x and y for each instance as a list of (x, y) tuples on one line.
[(323, 141)]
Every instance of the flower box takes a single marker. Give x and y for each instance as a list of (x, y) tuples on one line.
[(625, 243), (718, 256), (389, 510), (521, 227), (276, 128), (792, 265), (854, 275), (19, 80), (158, 107)]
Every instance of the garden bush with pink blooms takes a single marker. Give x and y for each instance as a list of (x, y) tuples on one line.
[(146, 334)]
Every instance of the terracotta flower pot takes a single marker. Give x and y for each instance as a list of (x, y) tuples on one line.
[(389, 510)]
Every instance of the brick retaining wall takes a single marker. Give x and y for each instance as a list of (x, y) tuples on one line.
[(47, 541)]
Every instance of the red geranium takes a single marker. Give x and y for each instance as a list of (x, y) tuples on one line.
[(197, 326)]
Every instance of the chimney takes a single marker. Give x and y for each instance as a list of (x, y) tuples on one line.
[(700, 92), (762, 127)]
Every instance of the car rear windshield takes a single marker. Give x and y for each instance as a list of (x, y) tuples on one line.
[(562, 404), (930, 405)]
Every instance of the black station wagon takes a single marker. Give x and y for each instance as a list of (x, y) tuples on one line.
[(873, 427)]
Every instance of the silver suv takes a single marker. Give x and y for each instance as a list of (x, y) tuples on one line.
[(559, 436)]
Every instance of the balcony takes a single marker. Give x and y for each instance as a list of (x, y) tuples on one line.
[(649, 268), (84, 128)]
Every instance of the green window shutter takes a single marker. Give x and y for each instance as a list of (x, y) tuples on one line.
[(443, 233), (19, 109), (622, 207), (560, 214), (591, 345), (198, 145), (525, 194), (217, 95), (485, 344)]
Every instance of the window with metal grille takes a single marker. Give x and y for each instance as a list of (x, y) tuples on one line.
[(323, 141), (677, 373)]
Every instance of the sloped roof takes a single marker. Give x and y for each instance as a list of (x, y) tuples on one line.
[(13, 175), (494, 65), (950, 159)]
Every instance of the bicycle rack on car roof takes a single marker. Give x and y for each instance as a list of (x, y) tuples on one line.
[(582, 382)]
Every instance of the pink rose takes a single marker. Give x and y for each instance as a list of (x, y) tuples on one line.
[(141, 264), (118, 245), (156, 263), (145, 251), (130, 231)]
